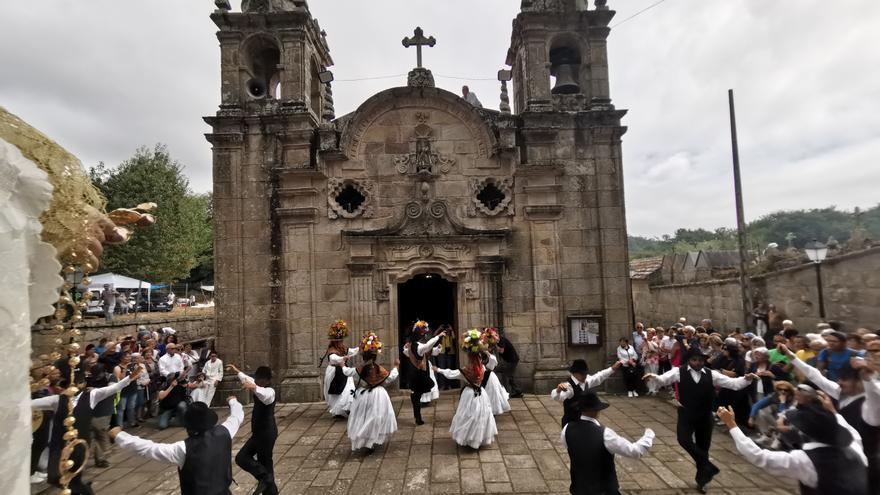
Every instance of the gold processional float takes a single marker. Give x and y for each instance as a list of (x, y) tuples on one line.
[(76, 225)]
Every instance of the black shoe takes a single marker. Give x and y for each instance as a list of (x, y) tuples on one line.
[(271, 489), (419, 422), (102, 464), (517, 395), (262, 485)]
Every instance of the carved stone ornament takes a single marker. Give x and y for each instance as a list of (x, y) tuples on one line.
[(420, 78), (471, 292), (424, 162), (339, 204), (502, 206)]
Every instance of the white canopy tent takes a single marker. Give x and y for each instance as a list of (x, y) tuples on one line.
[(117, 282)]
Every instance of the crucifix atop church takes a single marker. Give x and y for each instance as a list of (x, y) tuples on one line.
[(418, 40)]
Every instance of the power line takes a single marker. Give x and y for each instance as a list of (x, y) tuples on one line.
[(372, 78), (649, 7)]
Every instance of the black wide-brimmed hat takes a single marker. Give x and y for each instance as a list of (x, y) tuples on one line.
[(695, 351), (263, 372), (820, 425), (589, 401), (199, 418), (578, 366)]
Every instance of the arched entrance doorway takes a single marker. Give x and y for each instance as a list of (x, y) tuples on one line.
[(426, 297)]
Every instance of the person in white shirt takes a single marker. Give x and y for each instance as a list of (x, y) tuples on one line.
[(213, 371), (831, 460), (204, 458), (578, 383), (83, 406), (255, 455), (629, 359), (171, 362), (696, 388), (470, 97), (592, 447)]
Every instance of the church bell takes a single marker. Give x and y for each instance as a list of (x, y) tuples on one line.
[(566, 80), (257, 88)]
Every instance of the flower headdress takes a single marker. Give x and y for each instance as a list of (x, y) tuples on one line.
[(471, 342), (420, 326), (489, 337), (371, 343), (338, 330)]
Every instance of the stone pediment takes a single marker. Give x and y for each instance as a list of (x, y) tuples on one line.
[(427, 219)]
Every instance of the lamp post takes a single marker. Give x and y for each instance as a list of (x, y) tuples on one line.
[(817, 251)]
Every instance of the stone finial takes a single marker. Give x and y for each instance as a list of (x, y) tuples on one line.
[(223, 5), (268, 6), (504, 76), (601, 4), (328, 112), (420, 78)]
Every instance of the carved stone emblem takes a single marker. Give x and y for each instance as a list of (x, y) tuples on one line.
[(424, 162)]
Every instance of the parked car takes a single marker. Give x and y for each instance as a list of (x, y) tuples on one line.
[(156, 305)]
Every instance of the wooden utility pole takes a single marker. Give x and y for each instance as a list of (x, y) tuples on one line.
[(740, 217)]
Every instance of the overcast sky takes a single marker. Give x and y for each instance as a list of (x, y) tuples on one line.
[(103, 77)]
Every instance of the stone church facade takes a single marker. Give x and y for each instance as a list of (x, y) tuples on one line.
[(417, 204)]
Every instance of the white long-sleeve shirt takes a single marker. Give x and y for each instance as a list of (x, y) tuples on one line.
[(266, 395), (592, 381), (50, 403), (392, 375), (337, 360), (871, 407), (795, 464), (832, 388), (618, 445), (213, 371), (625, 355), (425, 347), (168, 364), (451, 374), (493, 362), (718, 380), (175, 453)]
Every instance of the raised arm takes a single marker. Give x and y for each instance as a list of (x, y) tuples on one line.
[(562, 392), (102, 393), (48, 403), (423, 348), (266, 395), (668, 378), (349, 371), (720, 380), (597, 379), (236, 417), (871, 407), (813, 374), (336, 359), (451, 374), (171, 453), (493, 362), (623, 447), (392, 375)]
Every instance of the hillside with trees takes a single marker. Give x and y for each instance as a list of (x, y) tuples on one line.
[(797, 227)]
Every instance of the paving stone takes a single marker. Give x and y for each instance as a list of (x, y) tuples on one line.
[(313, 455)]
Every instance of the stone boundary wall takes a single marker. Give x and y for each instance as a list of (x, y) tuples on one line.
[(188, 328), (851, 284)]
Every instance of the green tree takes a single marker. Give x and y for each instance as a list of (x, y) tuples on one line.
[(806, 225), (182, 237)]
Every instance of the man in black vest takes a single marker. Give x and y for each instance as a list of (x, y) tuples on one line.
[(696, 390), (255, 456), (592, 447), (84, 405), (507, 368), (204, 459), (831, 460), (567, 392), (860, 410)]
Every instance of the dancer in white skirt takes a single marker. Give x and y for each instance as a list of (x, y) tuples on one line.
[(338, 387), (473, 424), (371, 421), (498, 396)]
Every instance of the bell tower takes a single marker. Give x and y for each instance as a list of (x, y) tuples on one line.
[(275, 100), (570, 179), (558, 55)]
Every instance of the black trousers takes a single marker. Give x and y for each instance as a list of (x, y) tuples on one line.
[(631, 378), (694, 432), (40, 440), (255, 456)]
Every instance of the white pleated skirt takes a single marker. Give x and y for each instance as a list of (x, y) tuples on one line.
[(434, 394), (473, 424), (338, 405), (371, 421), (498, 397)]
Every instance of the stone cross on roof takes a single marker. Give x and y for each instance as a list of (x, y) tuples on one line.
[(418, 40)]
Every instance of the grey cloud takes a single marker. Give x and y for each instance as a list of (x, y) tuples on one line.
[(105, 76)]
